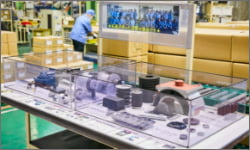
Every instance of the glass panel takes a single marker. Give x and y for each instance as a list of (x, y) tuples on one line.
[(157, 103)]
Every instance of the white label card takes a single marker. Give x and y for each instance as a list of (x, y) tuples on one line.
[(49, 42)]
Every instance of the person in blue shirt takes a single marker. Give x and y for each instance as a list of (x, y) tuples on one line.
[(132, 22), (157, 23), (116, 20), (142, 23), (134, 14), (170, 16), (81, 29), (122, 21), (152, 23), (175, 25)]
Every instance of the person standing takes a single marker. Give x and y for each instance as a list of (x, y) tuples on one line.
[(81, 29)]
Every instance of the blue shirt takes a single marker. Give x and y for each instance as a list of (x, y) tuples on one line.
[(122, 21), (132, 22), (81, 29)]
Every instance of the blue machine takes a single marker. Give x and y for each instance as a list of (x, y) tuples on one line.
[(46, 79)]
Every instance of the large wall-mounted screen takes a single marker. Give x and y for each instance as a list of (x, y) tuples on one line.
[(162, 23), (145, 18)]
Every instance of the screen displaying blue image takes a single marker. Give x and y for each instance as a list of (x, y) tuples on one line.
[(144, 18)]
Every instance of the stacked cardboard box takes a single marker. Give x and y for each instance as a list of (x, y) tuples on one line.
[(240, 54), (228, 26), (5, 14), (57, 59), (125, 49), (53, 58), (7, 71), (47, 44), (218, 51), (9, 43)]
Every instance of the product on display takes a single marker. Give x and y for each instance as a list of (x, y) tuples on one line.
[(46, 79), (193, 121), (136, 98), (177, 125), (166, 106), (123, 91), (133, 121), (148, 83), (175, 91), (191, 130), (114, 103), (183, 137), (180, 113)]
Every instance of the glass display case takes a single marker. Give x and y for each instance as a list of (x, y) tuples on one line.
[(48, 76), (176, 105)]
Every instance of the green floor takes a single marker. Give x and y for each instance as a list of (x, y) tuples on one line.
[(13, 133)]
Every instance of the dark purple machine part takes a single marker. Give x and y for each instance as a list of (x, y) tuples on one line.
[(193, 121)]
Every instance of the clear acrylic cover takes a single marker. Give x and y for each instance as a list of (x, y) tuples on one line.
[(41, 76), (176, 105), (173, 110)]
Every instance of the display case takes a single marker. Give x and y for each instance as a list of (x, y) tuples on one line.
[(175, 105), (48, 76)]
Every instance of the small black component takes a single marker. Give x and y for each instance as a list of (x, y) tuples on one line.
[(114, 103), (148, 81), (177, 125)]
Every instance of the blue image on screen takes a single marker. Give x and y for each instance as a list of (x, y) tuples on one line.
[(143, 18)]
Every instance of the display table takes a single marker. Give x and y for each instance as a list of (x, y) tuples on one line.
[(111, 134)]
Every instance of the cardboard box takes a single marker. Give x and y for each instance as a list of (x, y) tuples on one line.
[(8, 77), (7, 70), (58, 48), (241, 70), (227, 26), (57, 40), (150, 47), (38, 49), (168, 50), (151, 58), (21, 74), (5, 14), (174, 62), (42, 41), (59, 58), (240, 47), (12, 37), (77, 56), (213, 66), (41, 60), (170, 60), (19, 63), (68, 47), (82, 65), (213, 44), (68, 56), (4, 49), (12, 49), (123, 48), (141, 58), (7, 66), (4, 37)]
